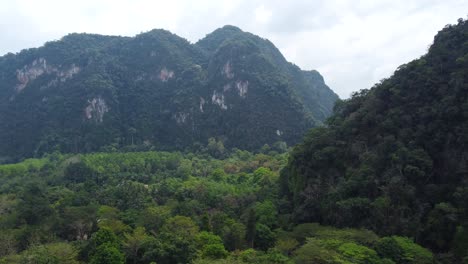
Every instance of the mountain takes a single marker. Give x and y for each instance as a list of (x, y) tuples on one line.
[(394, 158), (89, 92)]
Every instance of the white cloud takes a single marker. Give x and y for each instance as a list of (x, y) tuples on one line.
[(353, 43), (262, 15)]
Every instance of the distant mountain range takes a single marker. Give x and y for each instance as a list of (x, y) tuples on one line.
[(89, 92)]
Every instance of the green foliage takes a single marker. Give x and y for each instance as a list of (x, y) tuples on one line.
[(358, 254), (286, 245), (163, 207), (55, 253), (206, 238), (260, 257), (403, 250), (107, 254), (178, 240), (104, 236), (152, 218), (134, 242), (214, 251), (181, 226), (264, 237), (441, 226), (336, 251), (33, 206), (303, 231), (267, 213), (461, 242), (251, 227), (392, 158)]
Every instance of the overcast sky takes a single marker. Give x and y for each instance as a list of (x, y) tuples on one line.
[(352, 43)]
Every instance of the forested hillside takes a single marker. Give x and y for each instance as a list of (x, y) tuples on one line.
[(87, 93), (394, 158)]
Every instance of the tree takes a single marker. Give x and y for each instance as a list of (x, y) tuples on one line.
[(177, 241), (461, 242), (80, 221), (251, 227), (265, 149), (8, 243), (105, 248), (132, 131), (105, 236), (33, 206), (262, 174), (107, 254), (210, 245), (55, 253), (182, 226), (286, 245), (441, 226), (333, 251), (108, 218), (234, 236), (153, 217), (78, 172), (218, 175), (267, 213), (134, 242), (355, 253), (264, 237), (280, 146), (403, 250), (215, 148)]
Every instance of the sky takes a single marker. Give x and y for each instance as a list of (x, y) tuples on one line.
[(352, 43)]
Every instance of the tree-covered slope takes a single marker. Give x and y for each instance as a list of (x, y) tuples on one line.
[(90, 92), (394, 158)]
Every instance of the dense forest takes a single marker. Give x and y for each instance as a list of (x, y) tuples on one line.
[(168, 207), (88, 93), (394, 158)]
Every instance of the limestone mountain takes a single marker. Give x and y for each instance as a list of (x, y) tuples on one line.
[(89, 92)]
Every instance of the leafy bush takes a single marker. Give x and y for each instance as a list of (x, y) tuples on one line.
[(403, 250)]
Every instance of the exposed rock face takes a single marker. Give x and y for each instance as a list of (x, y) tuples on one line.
[(242, 88), (227, 87), (181, 117), (96, 109), (227, 70), (165, 75), (218, 99), (31, 72), (67, 74), (202, 103), (39, 67), (63, 76)]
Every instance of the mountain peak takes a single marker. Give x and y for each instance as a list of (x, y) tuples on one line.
[(230, 28), (214, 39)]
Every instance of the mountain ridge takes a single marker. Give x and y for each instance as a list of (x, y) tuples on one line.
[(86, 92)]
